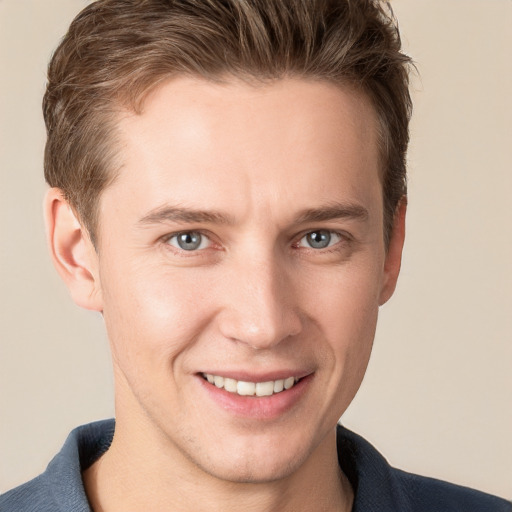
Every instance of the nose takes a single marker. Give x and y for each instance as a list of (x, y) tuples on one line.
[(260, 306)]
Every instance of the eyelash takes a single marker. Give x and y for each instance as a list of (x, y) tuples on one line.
[(344, 238)]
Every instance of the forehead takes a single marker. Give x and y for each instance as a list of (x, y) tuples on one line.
[(293, 106), (239, 143)]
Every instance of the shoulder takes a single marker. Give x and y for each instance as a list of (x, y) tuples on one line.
[(31, 496), (380, 487), (60, 487), (426, 494)]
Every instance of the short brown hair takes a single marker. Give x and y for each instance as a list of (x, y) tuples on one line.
[(116, 51)]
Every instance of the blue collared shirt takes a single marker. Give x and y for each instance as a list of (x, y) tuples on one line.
[(377, 486)]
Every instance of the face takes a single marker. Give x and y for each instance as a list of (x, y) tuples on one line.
[(241, 265)]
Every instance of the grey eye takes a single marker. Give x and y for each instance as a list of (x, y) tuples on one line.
[(320, 239), (189, 241)]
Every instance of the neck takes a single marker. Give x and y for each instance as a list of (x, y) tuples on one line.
[(143, 474)]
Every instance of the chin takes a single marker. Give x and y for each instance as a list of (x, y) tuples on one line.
[(253, 471), (255, 460)]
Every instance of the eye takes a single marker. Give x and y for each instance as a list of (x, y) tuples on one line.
[(320, 239), (189, 241)]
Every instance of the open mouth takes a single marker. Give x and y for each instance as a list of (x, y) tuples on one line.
[(244, 388)]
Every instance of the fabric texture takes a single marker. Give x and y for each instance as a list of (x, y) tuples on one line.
[(378, 487)]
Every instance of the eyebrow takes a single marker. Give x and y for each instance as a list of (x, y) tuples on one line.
[(194, 216), (332, 212), (186, 215)]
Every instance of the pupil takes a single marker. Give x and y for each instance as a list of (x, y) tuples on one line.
[(319, 239), (189, 241)]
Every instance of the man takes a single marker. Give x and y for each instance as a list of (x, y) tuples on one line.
[(228, 190)]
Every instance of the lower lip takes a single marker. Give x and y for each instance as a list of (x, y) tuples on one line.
[(265, 407)]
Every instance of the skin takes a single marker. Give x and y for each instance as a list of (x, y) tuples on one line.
[(274, 163)]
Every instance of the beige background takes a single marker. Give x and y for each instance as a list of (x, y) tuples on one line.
[(437, 398)]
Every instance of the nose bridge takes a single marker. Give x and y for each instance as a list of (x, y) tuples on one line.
[(260, 306)]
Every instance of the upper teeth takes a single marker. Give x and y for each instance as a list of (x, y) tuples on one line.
[(250, 388)]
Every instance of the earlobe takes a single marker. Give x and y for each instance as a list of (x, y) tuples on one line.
[(394, 253), (72, 251)]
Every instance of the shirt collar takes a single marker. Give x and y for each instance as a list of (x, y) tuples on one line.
[(371, 477)]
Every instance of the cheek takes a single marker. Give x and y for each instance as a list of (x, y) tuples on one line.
[(346, 299), (151, 316), (347, 316), (349, 334)]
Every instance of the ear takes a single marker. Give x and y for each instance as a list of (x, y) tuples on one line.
[(72, 251), (394, 253)]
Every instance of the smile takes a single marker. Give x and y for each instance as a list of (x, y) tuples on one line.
[(243, 388)]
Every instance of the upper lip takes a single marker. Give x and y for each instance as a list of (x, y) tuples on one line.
[(266, 376)]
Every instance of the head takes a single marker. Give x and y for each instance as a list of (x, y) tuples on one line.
[(234, 173), (117, 51)]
